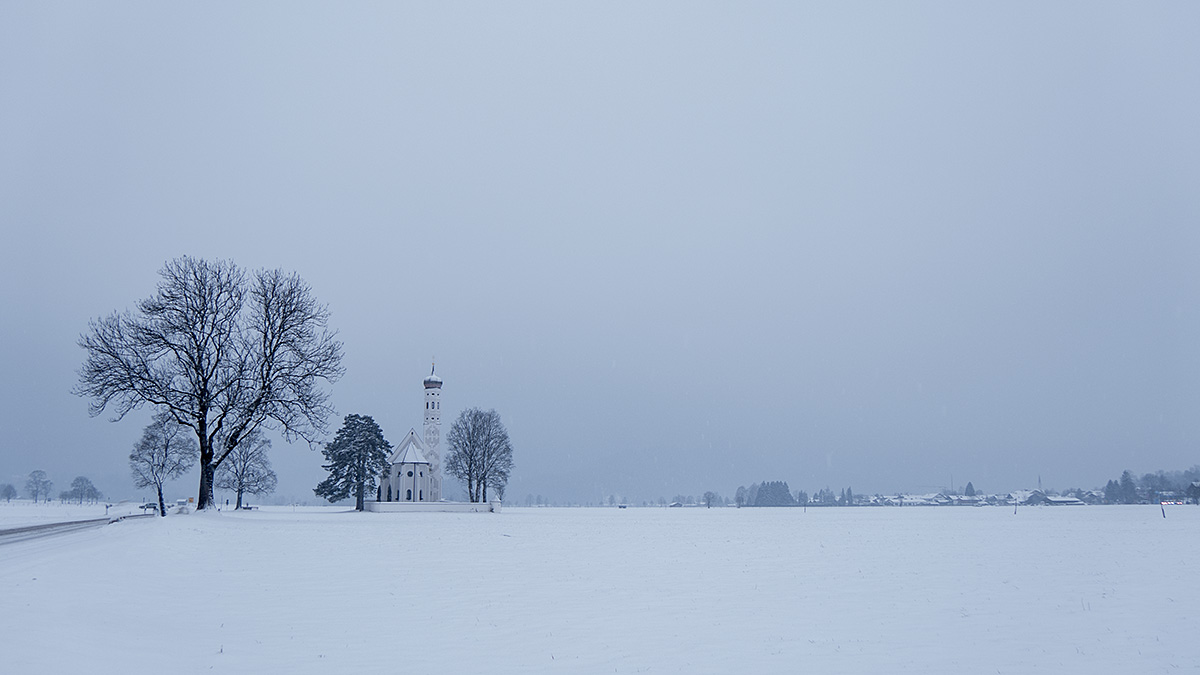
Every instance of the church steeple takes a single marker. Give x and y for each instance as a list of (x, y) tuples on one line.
[(433, 380), (433, 431)]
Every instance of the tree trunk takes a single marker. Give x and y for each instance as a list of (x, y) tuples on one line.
[(359, 497), (162, 507), (205, 499), (239, 501), (484, 492)]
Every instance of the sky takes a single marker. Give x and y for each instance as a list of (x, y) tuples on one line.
[(678, 246)]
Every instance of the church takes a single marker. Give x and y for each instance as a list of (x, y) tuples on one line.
[(412, 480), (414, 472)]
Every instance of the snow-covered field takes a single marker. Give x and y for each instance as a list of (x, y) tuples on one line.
[(22, 512), (323, 590)]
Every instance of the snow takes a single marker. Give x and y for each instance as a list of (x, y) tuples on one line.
[(307, 590), (22, 512)]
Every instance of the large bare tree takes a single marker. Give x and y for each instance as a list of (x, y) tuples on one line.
[(479, 452), (223, 353), (246, 469), (165, 451)]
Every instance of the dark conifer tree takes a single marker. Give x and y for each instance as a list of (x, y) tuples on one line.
[(356, 458), (1128, 489)]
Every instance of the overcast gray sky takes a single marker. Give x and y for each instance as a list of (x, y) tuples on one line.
[(678, 246)]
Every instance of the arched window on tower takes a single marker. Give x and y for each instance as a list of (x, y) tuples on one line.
[(409, 496)]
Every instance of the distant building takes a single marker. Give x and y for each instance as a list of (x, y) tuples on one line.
[(1039, 498)]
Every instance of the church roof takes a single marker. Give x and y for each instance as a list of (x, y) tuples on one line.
[(412, 455), (409, 451)]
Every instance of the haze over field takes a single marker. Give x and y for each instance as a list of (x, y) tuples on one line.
[(678, 246)]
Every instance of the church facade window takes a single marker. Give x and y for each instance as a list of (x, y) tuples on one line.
[(409, 496)]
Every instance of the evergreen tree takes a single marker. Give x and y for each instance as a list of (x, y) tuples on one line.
[(970, 491), (356, 457), (1112, 492), (774, 493), (1128, 488)]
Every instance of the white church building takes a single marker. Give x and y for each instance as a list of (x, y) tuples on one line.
[(412, 480)]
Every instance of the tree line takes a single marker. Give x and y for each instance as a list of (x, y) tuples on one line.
[(38, 486), (777, 493), (479, 453), (1151, 487)]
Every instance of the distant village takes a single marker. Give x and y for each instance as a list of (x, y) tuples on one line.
[(1175, 487), (1150, 489)]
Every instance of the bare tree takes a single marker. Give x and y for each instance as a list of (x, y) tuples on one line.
[(711, 498), (165, 451), (480, 452), (81, 489), (357, 456), (246, 469), (223, 355), (7, 492), (38, 485)]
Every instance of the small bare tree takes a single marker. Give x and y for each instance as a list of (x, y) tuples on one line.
[(246, 469), (7, 492), (223, 354), (38, 485), (81, 489), (480, 452), (165, 451)]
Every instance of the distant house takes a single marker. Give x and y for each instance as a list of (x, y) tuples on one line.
[(1039, 498), (674, 505)]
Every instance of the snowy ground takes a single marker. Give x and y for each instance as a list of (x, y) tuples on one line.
[(22, 512), (864, 590)]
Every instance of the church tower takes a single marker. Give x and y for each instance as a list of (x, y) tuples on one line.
[(433, 433)]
